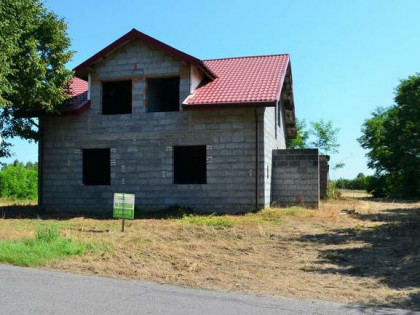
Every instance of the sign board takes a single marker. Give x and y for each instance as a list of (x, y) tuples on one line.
[(124, 206)]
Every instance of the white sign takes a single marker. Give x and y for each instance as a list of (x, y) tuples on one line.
[(124, 206)]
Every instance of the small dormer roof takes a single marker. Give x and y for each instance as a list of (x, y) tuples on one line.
[(82, 69)]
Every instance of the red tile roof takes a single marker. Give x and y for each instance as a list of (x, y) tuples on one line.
[(78, 87), (79, 97), (254, 80), (242, 80)]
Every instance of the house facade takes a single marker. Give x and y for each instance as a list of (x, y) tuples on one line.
[(150, 120)]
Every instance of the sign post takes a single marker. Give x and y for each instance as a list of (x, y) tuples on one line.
[(123, 207)]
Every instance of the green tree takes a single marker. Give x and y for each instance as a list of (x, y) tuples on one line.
[(324, 137), (392, 138), (31, 165), (302, 136), (18, 181), (360, 182), (321, 135), (33, 78)]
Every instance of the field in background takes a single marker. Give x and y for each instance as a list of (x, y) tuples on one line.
[(354, 194), (356, 250)]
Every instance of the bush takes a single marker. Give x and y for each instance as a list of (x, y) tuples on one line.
[(18, 181), (381, 186)]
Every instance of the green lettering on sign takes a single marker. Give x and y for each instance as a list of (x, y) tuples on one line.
[(124, 206)]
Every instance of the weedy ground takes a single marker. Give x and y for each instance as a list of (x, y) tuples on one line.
[(354, 250)]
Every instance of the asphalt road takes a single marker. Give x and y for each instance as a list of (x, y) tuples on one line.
[(32, 291)]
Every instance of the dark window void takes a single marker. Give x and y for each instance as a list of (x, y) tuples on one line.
[(190, 165), (163, 95), (96, 167), (116, 97)]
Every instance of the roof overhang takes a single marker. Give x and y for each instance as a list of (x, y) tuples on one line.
[(228, 105), (286, 99), (76, 109)]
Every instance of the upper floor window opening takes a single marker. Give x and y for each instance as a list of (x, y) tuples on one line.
[(163, 94), (116, 97)]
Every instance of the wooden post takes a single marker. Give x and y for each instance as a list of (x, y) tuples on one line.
[(123, 220)]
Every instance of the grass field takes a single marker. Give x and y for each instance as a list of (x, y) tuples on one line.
[(356, 250), (46, 245)]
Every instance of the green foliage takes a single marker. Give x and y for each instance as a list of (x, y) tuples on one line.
[(33, 78), (18, 181), (358, 183), (380, 185), (45, 246), (301, 141), (47, 235), (324, 137), (392, 138), (321, 135)]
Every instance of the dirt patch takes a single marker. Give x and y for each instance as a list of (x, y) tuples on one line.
[(370, 255)]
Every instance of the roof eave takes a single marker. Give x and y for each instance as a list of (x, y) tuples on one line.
[(228, 105), (77, 109), (283, 77)]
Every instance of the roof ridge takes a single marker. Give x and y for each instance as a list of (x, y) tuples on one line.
[(243, 57), (135, 34)]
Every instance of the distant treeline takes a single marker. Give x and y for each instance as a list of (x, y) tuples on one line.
[(376, 185), (361, 182), (19, 181)]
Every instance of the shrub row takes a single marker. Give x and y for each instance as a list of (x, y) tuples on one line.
[(19, 181)]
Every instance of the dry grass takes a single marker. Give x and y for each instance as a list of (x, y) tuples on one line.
[(356, 194), (370, 256), (9, 202)]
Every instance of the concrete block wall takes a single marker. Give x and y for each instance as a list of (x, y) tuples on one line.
[(296, 177), (142, 161), (323, 175), (142, 143), (272, 138), (138, 61)]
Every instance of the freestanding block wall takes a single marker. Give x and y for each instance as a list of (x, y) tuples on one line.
[(323, 175), (296, 177)]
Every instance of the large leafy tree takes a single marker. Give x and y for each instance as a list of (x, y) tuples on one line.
[(392, 138), (33, 77)]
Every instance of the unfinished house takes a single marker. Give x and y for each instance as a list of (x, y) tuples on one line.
[(172, 129)]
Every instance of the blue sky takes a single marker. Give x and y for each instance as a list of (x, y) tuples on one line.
[(347, 56)]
